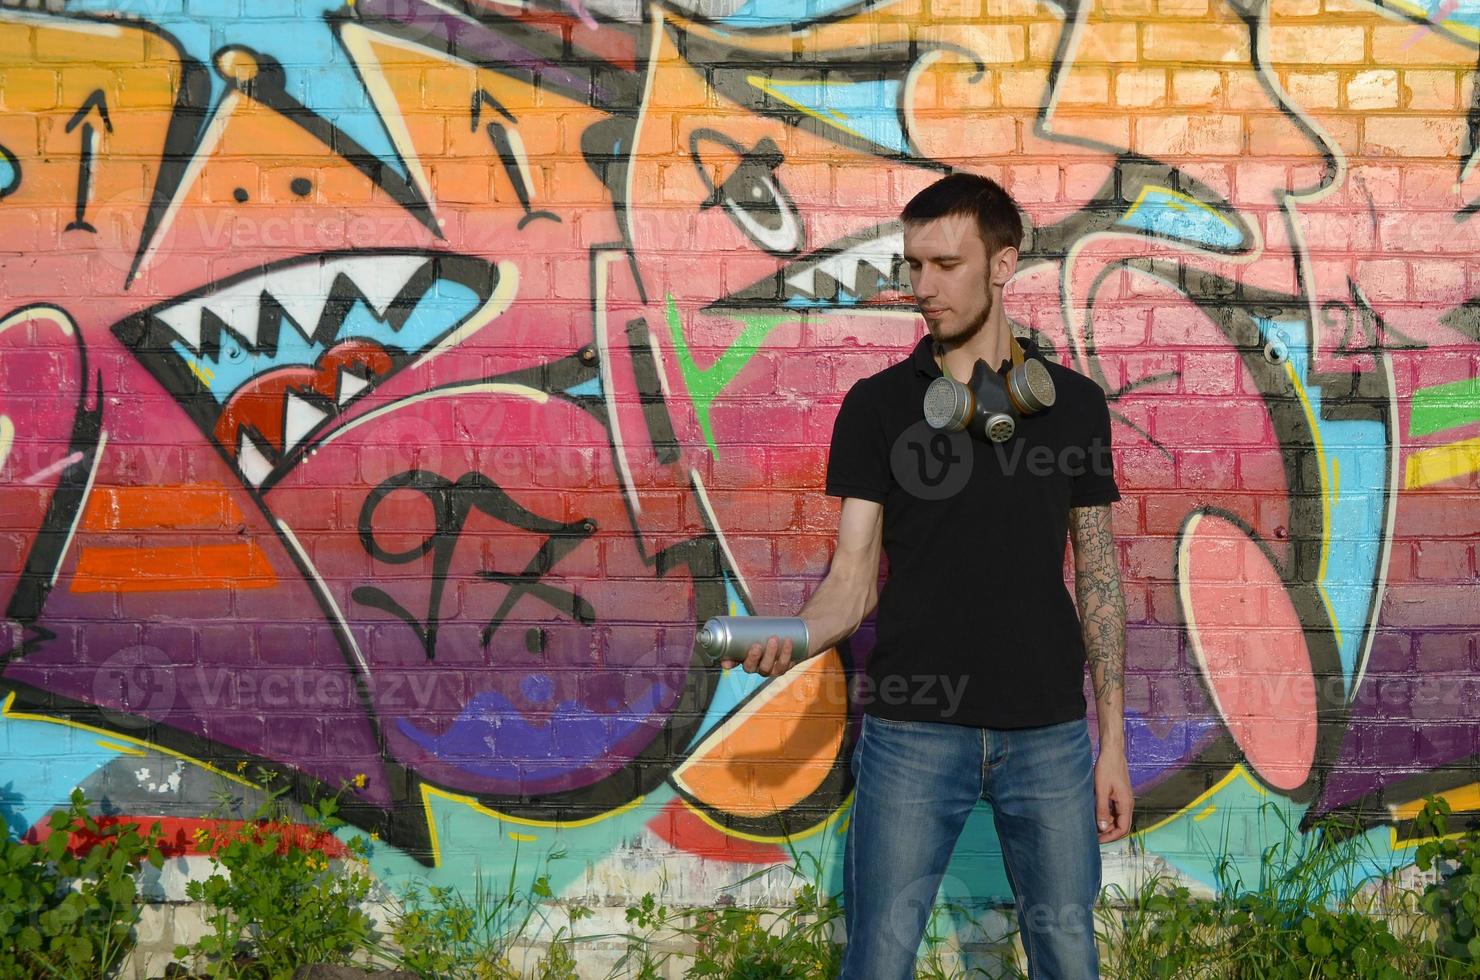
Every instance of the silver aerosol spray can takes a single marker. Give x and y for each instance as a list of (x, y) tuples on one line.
[(728, 637)]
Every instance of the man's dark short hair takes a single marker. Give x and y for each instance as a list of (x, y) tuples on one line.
[(974, 196)]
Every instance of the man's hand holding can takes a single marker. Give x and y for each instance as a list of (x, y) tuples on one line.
[(766, 645)]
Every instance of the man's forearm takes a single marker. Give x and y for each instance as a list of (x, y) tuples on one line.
[(1102, 617), (1107, 670), (836, 609)]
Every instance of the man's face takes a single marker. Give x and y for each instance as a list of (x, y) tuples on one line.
[(950, 276)]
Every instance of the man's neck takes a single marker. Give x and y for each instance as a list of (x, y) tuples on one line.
[(991, 344)]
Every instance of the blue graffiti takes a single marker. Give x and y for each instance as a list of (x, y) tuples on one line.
[(1353, 455), (491, 737), (790, 13), (1152, 754), (44, 761), (1168, 214), (438, 312), (590, 387), (868, 110), (10, 172), (317, 73)]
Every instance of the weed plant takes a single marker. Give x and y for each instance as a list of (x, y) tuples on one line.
[(1304, 917), (70, 912), (437, 933), (275, 900), (1453, 901), (1321, 906)]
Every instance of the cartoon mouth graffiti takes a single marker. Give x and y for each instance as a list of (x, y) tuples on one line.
[(265, 360), (856, 271)]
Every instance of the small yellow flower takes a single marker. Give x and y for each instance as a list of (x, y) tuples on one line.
[(241, 766), (360, 780), (375, 835)]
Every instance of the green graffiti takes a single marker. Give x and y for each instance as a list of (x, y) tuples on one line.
[(705, 384), (1445, 406)]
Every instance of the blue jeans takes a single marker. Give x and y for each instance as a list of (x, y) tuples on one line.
[(916, 784)]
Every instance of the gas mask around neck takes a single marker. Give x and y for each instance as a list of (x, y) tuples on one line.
[(988, 405)]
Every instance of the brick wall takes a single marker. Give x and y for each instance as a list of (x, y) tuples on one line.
[(386, 394)]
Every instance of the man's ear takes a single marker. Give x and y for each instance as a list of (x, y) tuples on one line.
[(1002, 265)]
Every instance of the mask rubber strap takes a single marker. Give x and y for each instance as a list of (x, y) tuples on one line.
[(1014, 348), (940, 359)]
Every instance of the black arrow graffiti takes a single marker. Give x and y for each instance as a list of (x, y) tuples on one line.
[(482, 98), (96, 101), (504, 146)]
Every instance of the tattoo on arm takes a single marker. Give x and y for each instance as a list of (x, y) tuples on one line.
[(1100, 599)]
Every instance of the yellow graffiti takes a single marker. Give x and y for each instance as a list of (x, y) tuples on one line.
[(1238, 772), (1328, 494), (430, 792), (1429, 466), (8, 710)]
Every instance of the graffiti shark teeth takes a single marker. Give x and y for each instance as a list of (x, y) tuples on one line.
[(860, 270), (299, 289), (300, 419), (283, 349), (252, 460), (350, 385)]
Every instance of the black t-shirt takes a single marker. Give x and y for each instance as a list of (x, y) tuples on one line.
[(975, 625)]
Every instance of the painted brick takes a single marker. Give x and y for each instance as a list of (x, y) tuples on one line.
[(1328, 45), (1413, 136), (1021, 88), (1107, 42), (1196, 87), (1313, 89), (1043, 41), (1188, 136), (1194, 43), (1140, 88), (1376, 89), (1395, 42), (1425, 89), (1030, 185), (1084, 86)]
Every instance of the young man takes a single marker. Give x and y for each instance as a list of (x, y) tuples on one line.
[(975, 686)]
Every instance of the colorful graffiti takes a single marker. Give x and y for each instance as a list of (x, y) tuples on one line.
[(392, 396)]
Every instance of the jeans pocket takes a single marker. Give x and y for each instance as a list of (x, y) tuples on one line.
[(903, 726)]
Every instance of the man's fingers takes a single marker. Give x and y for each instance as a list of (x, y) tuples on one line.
[(768, 659), (1125, 808), (783, 657), (1118, 806)]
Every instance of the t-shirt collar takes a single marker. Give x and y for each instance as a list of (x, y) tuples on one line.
[(923, 357)]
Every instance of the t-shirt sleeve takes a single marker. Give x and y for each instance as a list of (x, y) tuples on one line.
[(858, 460), (1095, 483)]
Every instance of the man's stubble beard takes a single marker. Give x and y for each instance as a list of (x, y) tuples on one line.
[(967, 333)]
